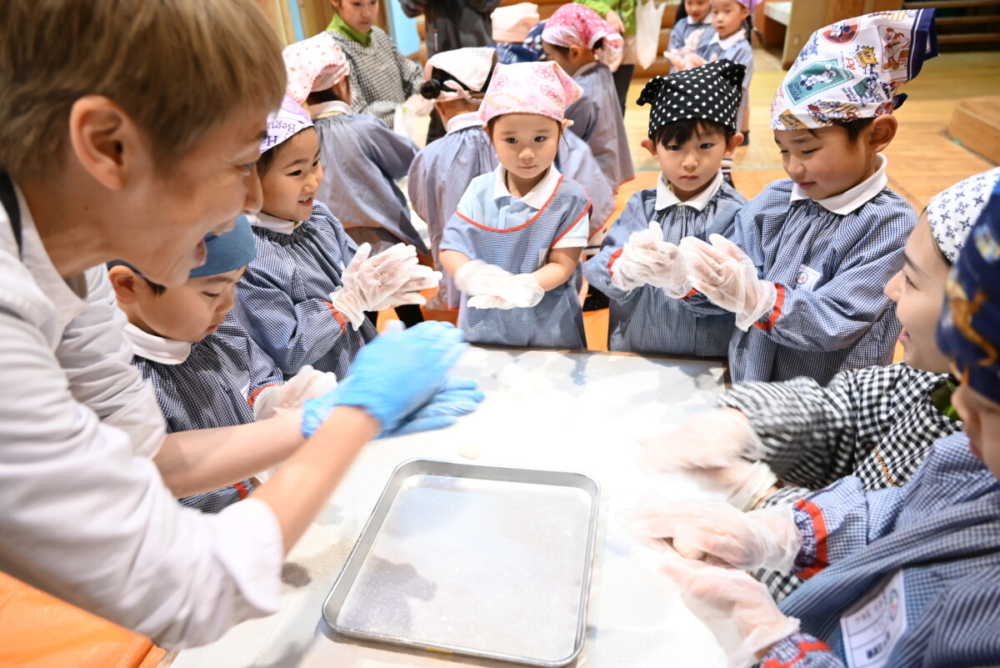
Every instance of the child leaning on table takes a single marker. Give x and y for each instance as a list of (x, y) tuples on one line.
[(514, 244)]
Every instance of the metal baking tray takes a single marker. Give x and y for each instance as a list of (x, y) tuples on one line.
[(485, 561)]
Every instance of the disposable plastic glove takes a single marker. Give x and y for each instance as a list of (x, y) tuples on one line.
[(649, 260), (478, 278), (393, 376), (708, 439), (421, 278), (458, 397), (766, 538), (727, 276), (737, 609), (373, 283), (307, 384), (517, 291)]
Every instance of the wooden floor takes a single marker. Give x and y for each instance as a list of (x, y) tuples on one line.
[(922, 159)]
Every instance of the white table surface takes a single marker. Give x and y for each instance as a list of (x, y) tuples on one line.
[(548, 410)]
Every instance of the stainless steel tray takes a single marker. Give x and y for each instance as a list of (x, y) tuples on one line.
[(486, 561)]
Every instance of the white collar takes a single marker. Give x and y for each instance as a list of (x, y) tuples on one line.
[(849, 200), (463, 121), (327, 108), (156, 348), (537, 196), (67, 303), (730, 41), (665, 196), (583, 69), (273, 223)]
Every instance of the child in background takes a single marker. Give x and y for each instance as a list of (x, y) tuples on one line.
[(636, 266), (205, 370), (819, 246), (456, 82), (361, 157), (691, 30), (579, 40), (908, 576), (515, 241), (304, 255), (384, 78), (731, 41)]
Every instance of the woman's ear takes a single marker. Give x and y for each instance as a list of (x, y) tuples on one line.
[(107, 142)]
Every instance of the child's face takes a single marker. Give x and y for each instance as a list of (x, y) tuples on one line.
[(526, 146), (690, 167), (188, 313), (360, 15), (825, 162), (918, 290), (294, 177), (696, 10), (981, 418), (728, 17)]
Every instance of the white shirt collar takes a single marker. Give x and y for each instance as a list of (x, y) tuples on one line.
[(463, 121), (583, 69), (273, 223), (156, 348), (730, 41), (537, 196), (327, 108), (665, 196), (850, 200)]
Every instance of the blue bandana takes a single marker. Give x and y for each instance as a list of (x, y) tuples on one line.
[(969, 331), (229, 251)]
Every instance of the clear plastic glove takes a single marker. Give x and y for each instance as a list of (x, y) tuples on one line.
[(477, 278), (737, 609), (706, 440), (649, 260), (766, 538), (393, 376), (421, 278), (517, 291), (307, 384), (727, 276), (744, 483), (458, 397), (370, 281)]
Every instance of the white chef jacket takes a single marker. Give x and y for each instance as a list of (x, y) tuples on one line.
[(85, 514)]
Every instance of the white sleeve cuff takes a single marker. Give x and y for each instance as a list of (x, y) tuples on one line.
[(577, 236)]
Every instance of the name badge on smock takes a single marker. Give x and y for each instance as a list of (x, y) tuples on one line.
[(806, 278), (872, 628)]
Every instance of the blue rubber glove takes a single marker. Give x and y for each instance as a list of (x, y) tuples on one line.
[(459, 396), (392, 376)]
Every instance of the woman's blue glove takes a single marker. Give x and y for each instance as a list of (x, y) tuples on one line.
[(392, 376), (459, 396)]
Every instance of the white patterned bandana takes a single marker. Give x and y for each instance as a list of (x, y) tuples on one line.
[(285, 123), (953, 212), (851, 70)]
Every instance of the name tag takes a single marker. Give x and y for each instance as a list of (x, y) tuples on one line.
[(872, 628), (806, 278), (245, 391)]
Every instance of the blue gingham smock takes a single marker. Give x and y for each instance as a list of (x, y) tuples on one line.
[(282, 301), (830, 266), (736, 48), (607, 138), (204, 385), (942, 531), (683, 29), (362, 159), (646, 320), (493, 226)]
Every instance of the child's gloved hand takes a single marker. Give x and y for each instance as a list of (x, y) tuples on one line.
[(369, 281), (420, 277), (477, 278), (307, 384), (765, 538), (515, 291), (727, 276), (393, 376), (736, 608), (649, 260), (458, 397)]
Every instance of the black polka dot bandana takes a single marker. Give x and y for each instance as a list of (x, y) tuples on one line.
[(707, 93)]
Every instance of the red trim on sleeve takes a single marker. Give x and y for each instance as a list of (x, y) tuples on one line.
[(776, 311), (611, 260), (253, 395), (690, 294), (804, 648), (570, 228), (337, 316), (242, 490), (819, 526), (519, 227)]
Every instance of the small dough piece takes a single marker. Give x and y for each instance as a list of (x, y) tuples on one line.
[(688, 551), (470, 451)]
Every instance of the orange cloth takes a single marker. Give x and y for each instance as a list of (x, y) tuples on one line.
[(40, 631)]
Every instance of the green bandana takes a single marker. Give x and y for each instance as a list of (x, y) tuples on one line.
[(337, 24), (941, 398)]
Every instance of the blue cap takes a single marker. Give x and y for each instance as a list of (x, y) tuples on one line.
[(969, 330), (229, 251)]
